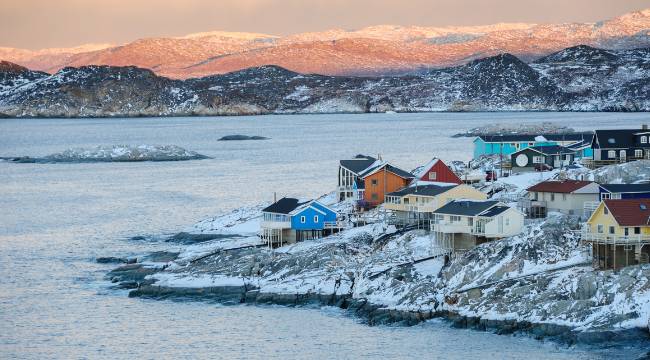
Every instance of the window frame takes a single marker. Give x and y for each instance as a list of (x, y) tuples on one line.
[(434, 177), (315, 219), (600, 228), (611, 154), (303, 219)]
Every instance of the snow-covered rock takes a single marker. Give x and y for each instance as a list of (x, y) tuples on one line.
[(542, 277), (118, 153)]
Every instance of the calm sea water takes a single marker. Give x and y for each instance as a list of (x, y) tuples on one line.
[(55, 219)]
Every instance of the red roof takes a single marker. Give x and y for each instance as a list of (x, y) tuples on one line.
[(563, 186), (632, 212)]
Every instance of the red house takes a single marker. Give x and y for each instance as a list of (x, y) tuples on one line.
[(436, 170)]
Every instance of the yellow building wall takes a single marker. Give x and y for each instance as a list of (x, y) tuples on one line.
[(435, 202), (600, 218), (461, 192)]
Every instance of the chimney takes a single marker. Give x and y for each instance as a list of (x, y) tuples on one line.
[(644, 126), (275, 197)]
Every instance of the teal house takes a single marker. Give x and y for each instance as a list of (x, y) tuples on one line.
[(508, 144)]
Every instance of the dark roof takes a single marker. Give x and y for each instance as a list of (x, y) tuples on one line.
[(494, 211), (358, 164), (531, 137), (630, 212), (390, 168), (283, 206), (563, 186), (466, 207), (549, 150), (618, 138), (424, 190), (626, 188)]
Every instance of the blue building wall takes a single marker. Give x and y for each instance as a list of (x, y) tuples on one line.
[(645, 195), (483, 148), (314, 220)]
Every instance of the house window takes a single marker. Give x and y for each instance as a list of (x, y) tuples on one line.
[(637, 230), (406, 201), (606, 210), (507, 221), (454, 218), (303, 219), (537, 160), (611, 154), (432, 175), (470, 221), (563, 197), (605, 196), (535, 196), (374, 196), (600, 228), (373, 182), (644, 139), (638, 153), (612, 230), (315, 219), (530, 144), (552, 197), (627, 231)]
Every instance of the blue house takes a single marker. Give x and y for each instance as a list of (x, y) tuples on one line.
[(289, 220), (508, 144), (313, 221), (624, 191)]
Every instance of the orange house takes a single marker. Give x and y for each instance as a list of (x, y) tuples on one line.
[(382, 180)]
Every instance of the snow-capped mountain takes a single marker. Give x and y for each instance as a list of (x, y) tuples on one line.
[(580, 78), (371, 51)]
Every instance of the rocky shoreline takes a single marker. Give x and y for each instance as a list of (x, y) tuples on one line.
[(379, 315), (506, 287)]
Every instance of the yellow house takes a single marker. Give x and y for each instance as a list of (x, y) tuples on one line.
[(619, 231), (416, 203)]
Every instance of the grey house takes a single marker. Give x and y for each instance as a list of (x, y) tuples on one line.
[(553, 157)]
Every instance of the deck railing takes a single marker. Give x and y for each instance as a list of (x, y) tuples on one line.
[(613, 239)]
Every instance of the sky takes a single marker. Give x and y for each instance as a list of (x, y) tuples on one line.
[(36, 24)]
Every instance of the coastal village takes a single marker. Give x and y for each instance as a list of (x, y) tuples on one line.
[(541, 232), (459, 206)]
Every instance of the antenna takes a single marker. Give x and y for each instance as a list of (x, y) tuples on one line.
[(275, 197)]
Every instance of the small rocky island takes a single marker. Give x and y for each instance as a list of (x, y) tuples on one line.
[(241, 138), (115, 153)]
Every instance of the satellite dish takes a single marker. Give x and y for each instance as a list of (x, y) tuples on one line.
[(521, 160)]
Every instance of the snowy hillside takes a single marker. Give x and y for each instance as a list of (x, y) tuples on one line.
[(575, 79)]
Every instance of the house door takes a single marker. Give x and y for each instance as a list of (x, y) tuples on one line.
[(623, 155), (647, 154), (556, 162)]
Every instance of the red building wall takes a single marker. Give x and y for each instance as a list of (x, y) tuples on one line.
[(442, 174)]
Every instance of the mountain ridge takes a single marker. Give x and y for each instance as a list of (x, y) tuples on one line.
[(562, 81), (370, 51)]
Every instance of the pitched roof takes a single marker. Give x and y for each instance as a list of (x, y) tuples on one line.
[(424, 190), (308, 205), (284, 206), (563, 186), (532, 137), (466, 207), (494, 211), (358, 163), (549, 150), (616, 138), (626, 188), (630, 212), (421, 170), (390, 168)]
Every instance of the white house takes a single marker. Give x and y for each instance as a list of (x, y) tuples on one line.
[(463, 224)]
